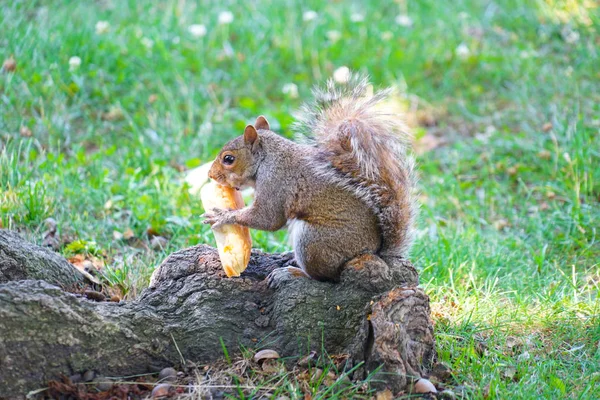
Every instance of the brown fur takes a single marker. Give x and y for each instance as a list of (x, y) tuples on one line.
[(345, 193)]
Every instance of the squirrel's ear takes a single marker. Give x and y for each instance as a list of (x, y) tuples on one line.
[(251, 136), (262, 123)]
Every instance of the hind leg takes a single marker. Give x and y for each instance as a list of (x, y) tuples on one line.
[(317, 253), (280, 275), (323, 251)]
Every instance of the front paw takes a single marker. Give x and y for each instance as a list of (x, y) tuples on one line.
[(218, 217)]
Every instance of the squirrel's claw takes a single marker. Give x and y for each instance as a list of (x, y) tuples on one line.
[(217, 217)]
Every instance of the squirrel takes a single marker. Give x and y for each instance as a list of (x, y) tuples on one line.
[(345, 189)]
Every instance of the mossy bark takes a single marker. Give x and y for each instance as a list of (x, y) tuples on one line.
[(191, 307)]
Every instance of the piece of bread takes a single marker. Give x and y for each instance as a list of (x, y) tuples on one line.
[(233, 241)]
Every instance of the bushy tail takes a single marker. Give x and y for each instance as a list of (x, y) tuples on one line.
[(368, 148)]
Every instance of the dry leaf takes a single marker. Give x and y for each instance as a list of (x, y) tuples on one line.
[(25, 131), (128, 234), (90, 277), (500, 224), (9, 65), (544, 154), (158, 243), (509, 372), (78, 261), (113, 114)]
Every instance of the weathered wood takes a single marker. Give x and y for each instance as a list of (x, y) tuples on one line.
[(191, 307)]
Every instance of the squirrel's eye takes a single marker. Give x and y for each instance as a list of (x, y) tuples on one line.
[(228, 159)]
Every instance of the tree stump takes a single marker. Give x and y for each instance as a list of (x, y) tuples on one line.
[(191, 307)]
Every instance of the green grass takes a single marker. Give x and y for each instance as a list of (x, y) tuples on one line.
[(507, 244)]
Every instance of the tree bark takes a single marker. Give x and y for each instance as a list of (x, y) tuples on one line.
[(191, 308), (22, 260)]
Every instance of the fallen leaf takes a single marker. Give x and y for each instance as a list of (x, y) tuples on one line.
[(9, 65), (512, 341), (158, 243), (544, 154), (501, 224), (25, 131), (151, 231), (77, 260), (509, 372), (113, 114), (310, 359), (128, 234)]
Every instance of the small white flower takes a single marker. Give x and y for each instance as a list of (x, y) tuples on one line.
[(74, 63), (225, 17), (290, 89), (404, 20), (197, 30), (341, 75), (462, 51), (206, 128), (334, 36), (569, 71), (309, 15), (148, 43), (102, 27), (176, 40), (387, 35), (524, 356), (357, 17), (570, 36)]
